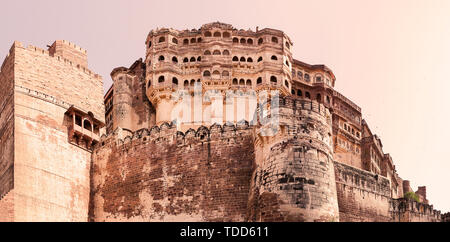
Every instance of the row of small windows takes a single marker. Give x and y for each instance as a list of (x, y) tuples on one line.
[(351, 130), (217, 34), (175, 59), (242, 82), (217, 52), (308, 95), (215, 73), (236, 40), (249, 59), (300, 75), (273, 79)]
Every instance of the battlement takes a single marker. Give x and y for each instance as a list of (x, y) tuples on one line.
[(69, 51), (167, 132), (446, 217), (62, 58), (416, 211)]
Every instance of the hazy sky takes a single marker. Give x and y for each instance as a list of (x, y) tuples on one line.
[(392, 58)]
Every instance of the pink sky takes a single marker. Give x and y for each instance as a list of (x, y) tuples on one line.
[(390, 57)]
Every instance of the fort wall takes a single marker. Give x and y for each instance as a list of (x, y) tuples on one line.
[(164, 175), (362, 195), (59, 77), (294, 175), (7, 139), (51, 174), (404, 210), (52, 180)]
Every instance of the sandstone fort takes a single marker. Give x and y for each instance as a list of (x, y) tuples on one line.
[(70, 153)]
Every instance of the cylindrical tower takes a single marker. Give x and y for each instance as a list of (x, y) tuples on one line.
[(294, 177), (122, 99)]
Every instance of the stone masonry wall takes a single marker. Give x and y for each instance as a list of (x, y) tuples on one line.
[(164, 175), (404, 210), (51, 176), (7, 139), (58, 77), (362, 196), (294, 177)]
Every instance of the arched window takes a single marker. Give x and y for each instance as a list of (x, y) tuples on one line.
[(248, 83), (149, 44), (87, 125), (260, 59), (274, 39), (241, 82), (149, 84), (216, 52), (226, 35), (307, 77), (287, 62), (175, 41), (161, 79), (185, 41), (249, 59), (242, 41), (217, 34), (288, 45), (250, 41), (260, 41), (161, 58), (318, 78), (206, 73), (292, 91), (192, 59), (242, 59), (319, 97), (300, 74), (186, 83), (235, 81), (274, 57), (225, 73), (192, 82), (286, 83), (207, 52), (207, 34), (193, 40), (299, 93), (307, 95), (161, 39), (259, 81), (235, 40), (174, 59), (226, 52), (199, 40), (235, 58), (185, 60), (328, 100), (199, 58), (175, 81), (216, 73), (273, 79)]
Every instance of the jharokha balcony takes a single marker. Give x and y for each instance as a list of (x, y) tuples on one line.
[(84, 128)]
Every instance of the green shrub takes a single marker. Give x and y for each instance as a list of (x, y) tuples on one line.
[(411, 196)]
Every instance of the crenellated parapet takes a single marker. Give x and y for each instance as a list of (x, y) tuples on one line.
[(168, 133), (408, 210)]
